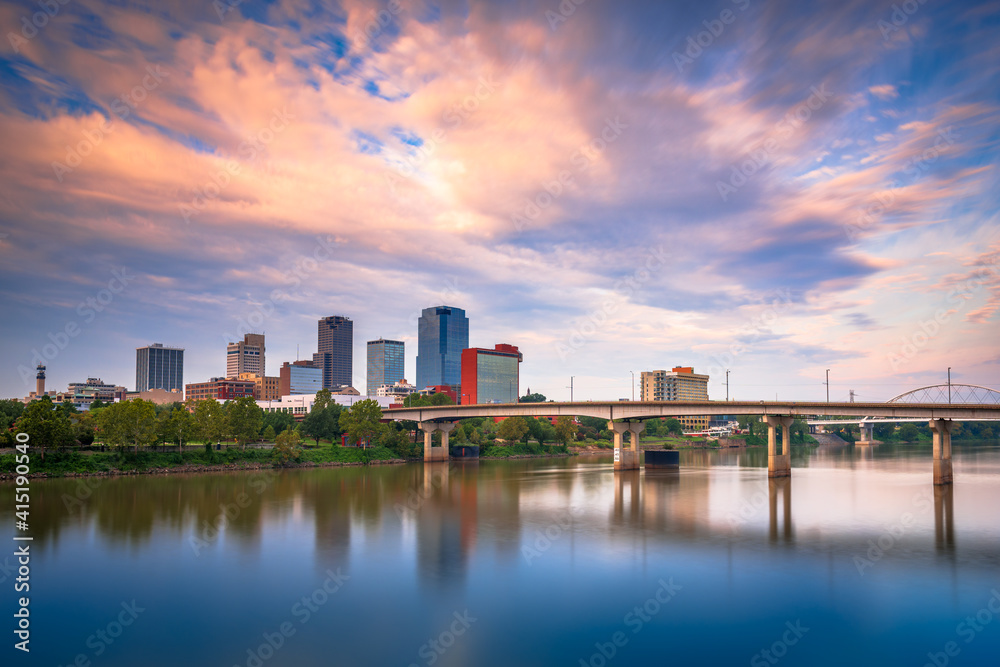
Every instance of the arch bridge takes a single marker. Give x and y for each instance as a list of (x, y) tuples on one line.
[(630, 416)]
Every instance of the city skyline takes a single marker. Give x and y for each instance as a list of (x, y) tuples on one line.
[(607, 204)]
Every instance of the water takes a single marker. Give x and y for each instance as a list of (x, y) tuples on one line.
[(535, 562)]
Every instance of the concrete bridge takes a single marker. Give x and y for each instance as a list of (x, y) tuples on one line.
[(630, 416)]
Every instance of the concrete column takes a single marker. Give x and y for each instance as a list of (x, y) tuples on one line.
[(942, 450), (432, 453), (445, 429), (779, 465), (867, 433), (635, 428), (625, 459)]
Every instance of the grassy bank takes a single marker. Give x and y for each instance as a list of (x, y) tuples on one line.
[(508, 451), (57, 464)]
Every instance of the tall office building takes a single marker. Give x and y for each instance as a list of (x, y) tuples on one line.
[(245, 356), (299, 377), (385, 364), (490, 376), (335, 351), (158, 367), (442, 334), (679, 384)]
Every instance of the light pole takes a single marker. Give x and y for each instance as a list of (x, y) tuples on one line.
[(727, 384), (633, 384), (571, 388), (949, 384), (827, 385)]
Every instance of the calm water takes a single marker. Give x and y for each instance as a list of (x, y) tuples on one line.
[(539, 562)]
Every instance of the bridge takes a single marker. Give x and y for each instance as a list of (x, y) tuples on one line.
[(630, 416)]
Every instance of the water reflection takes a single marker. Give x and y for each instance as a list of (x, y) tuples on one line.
[(780, 486)]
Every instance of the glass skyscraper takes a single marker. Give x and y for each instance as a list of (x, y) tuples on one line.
[(158, 367), (385, 363), (335, 351), (442, 334)]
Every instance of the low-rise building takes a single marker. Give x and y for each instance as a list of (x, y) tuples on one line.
[(221, 389), (399, 390), (266, 388), (300, 405)]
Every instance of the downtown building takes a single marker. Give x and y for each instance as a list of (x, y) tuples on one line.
[(335, 351), (265, 388), (385, 364), (221, 389), (159, 367), (680, 383), (245, 356), (490, 376), (442, 334), (299, 377)]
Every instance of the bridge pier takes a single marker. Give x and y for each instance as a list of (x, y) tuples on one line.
[(779, 465), (867, 433), (432, 453), (626, 459), (942, 450)]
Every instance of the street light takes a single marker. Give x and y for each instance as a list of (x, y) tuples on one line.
[(571, 388), (633, 384), (827, 385), (727, 384), (949, 384)]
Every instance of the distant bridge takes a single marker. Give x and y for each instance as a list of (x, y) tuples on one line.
[(630, 416)]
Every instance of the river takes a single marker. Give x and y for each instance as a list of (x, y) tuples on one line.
[(855, 560)]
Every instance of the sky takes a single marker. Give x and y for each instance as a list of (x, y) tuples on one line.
[(773, 188)]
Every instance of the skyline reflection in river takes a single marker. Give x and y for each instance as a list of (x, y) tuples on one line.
[(549, 556)]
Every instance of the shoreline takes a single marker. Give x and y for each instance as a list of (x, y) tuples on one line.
[(236, 467)]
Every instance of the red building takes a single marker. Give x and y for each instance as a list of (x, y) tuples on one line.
[(221, 389), (490, 376)]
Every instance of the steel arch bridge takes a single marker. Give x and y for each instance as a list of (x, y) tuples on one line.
[(968, 394)]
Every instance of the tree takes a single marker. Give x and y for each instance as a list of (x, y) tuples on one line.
[(83, 428), (97, 404), (458, 435), (286, 447), (181, 426), (565, 430), (245, 419), (798, 430), (269, 434), (323, 422), (45, 425), (129, 423), (441, 399), (908, 432), (209, 420), (279, 421), (323, 398), (362, 422), (536, 430), (674, 427), (513, 429), (532, 398), (885, 431)]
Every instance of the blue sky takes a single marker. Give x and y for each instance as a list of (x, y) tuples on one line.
[(774, 188)]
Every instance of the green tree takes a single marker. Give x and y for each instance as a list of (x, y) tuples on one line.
[(286, 447), (799, 429), (209, 420), (908, 432), (513, 429), (565, 430), (245, 419), (129, 423), (181, 426), (441, 399), (323, 422), (279, 421), (674, 427), (536, 430), (84, 428), (458, 435), (532, 398), (269, 434), (45, 425), (323, 398), (885, 431), (97, 404), (362, 422)]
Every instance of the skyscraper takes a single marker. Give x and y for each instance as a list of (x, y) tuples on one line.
[(442, 334), (385, 363), (335, 351), (158, 367), (245, 356), (490, 376)]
